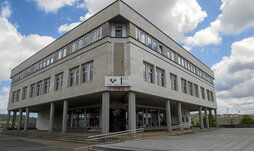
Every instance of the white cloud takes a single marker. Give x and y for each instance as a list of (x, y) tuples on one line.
[(174, 17), (4, 94), (5, 10), (67, 27), (53, 5), (16, 47), (236, 16), (235, 77)]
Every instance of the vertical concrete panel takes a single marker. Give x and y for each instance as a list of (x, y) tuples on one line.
[(26, 120), (105, 112), (207, 119), (201, 118), (179, 111), (118, 59), (51, 117), (65, 112), (132, 110), (8, 120), (13, 119), (168, 115), (20, 119)]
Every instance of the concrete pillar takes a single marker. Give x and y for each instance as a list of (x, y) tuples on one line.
[(105, 112), (201, 118), (179, 113), (8, 120), (210, 117), (207, 119), (20, 119), (132, 110), (168, 116), (65, 113), (147, 124), (26, 120), (51, 117), (159, 119), (216, 118), (13, 119)]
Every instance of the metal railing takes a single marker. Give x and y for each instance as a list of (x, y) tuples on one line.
[(115, 136)]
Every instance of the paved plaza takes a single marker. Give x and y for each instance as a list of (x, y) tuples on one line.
[(219, 140)]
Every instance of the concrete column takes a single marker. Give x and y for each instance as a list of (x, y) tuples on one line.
[(105, 112), (159, 120), (13, 119), (179, 111), (20, 119), (132, 110), (26, 120), (147, 124), (8, 120), (216, 118), (51, 117), (65, 113), (207, 119), (168, 116), (210, 117), (201, 118)]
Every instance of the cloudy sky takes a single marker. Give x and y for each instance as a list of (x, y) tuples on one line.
[(219, 32)]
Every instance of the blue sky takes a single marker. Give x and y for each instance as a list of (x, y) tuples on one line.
[(211, 30)]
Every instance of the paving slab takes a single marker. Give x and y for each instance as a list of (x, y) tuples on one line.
[(236, 139)]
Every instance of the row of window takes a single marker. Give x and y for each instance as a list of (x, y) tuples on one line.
[(70, 48), (172, 55), (42, 87), (188, 87)]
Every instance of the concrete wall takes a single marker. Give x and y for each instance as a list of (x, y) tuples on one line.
[(42, 122)]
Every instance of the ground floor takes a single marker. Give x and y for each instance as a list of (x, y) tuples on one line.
[(112, 111)]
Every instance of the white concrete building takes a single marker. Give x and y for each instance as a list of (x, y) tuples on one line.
[(113, 72)]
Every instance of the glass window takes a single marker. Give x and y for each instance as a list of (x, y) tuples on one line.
[(13, 97), (17, 95), (59, 54), (155, 45), (184, 85), (46, 86), (24, 93), (196, 91), (59, 81), (80, 43), (93, 36), (64, 51), (212, 98), (149, 41), (190, 85), (87, 40), (74, 76), (142, 37), (203, 93), (87, 70), (160, 77), (148, 72), (118, 31), (173, 79), (160, 49), (208, 95), (32, 90), (38, 88), (74, 46)]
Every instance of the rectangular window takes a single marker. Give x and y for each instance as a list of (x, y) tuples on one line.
[(74, 76), (59, 81), (118, 31), (80, 43), (212, 97), (203, 92), (32, 90), (184, 85), (155, 45), (142, 37), (93, 36), (149, 41), (148, 72), (160, 77), (208, 95), (74, 46), (190, 85), (160, 47), (87, 70), (38, 88), (24, 93), (60, 53), (86, 40), (13, 97), (46, 85), (173, 80), (17, 95), (196, 91), (64, 51)]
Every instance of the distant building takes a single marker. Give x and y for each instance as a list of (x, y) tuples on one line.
[(113, 72)]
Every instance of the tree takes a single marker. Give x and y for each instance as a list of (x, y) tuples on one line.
[(247, 119)]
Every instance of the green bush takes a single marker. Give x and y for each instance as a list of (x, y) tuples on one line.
[(247, 119)]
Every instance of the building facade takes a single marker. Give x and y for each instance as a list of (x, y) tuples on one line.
[(113, 72)]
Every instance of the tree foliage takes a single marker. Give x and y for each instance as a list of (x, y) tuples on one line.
[(247, 119)]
